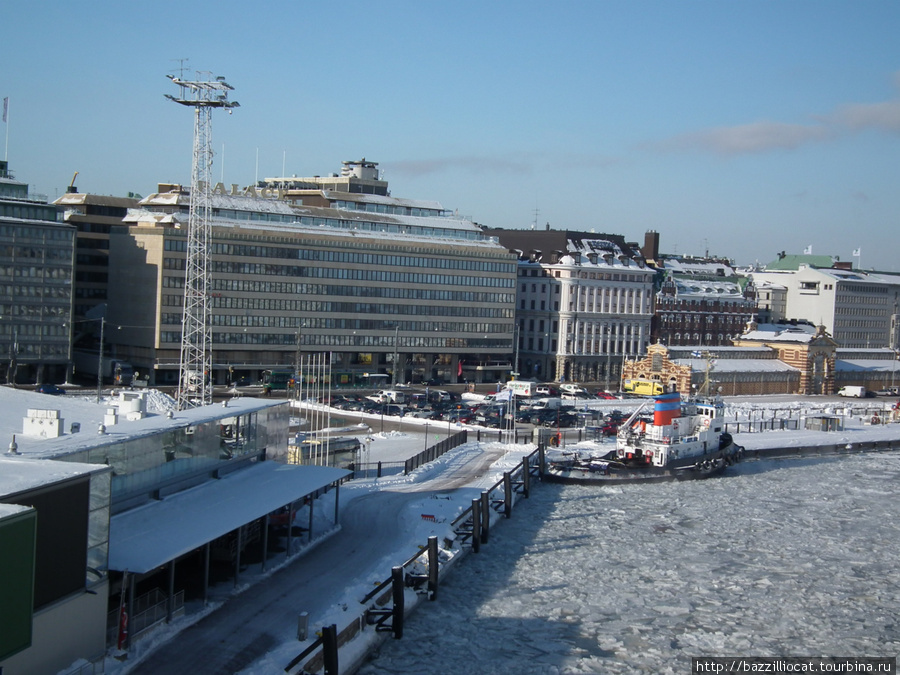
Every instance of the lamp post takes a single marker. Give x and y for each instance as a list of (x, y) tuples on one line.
[(396, 355)]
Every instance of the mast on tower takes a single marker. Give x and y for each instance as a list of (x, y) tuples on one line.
[(195, 375)]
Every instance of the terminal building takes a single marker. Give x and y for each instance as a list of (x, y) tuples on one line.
[(113, 516)]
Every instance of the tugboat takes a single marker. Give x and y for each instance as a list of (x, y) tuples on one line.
[(682, 440)]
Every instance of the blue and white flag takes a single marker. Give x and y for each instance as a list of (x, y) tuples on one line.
[(504, 395), (697, 354)]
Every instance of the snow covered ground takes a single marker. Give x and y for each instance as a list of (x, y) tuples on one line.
[(790, 557)]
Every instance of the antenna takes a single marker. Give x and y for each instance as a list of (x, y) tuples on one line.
[(195, 377)]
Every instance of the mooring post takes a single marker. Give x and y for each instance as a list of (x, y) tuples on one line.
[(485, 516), (507, 494), (476, 525), (542, 465), (526, 476), (432, 567), (398, 597), (330, 649)]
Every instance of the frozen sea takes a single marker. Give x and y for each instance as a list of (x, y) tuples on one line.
[(777, 558)]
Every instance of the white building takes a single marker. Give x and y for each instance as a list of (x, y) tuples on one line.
[(858, 309), (584, 304)]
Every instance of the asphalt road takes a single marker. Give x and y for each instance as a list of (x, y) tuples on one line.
[(246, 627)]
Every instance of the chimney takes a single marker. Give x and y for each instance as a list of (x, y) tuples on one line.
[(650, 250)]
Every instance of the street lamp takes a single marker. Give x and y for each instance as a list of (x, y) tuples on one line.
[(396, 356), (102, 320)]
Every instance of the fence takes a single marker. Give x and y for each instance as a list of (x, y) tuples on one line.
[(149, 610), (435, 451)]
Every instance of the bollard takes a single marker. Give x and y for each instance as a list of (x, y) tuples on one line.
[(330, 649), (302, 626), (507, 494), (399, 600), (476, 525), (432, 567)]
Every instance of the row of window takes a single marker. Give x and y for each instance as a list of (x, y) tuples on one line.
[(366, 275), (33, 272), (36, 252), (343, 258), (295, 306), (391, 209), (220, 286), (423, 342), (708, 318), (36, 291), (349, 324), (36, 234), (29, 211)]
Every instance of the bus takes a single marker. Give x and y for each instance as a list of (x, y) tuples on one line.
[(277, 380)]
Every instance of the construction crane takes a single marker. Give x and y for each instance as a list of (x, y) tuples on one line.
[(195, 370)]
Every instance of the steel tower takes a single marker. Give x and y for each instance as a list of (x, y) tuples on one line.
[(195, 375)]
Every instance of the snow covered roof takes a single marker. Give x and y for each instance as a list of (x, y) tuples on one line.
[(144, 538), (737, 365), (773, 332), (18, 474), (84, 411), (871, 365), (707, 289), (687, 268)]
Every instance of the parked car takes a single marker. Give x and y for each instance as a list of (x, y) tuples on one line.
[(609, 429), (463, 416), (51, 389)]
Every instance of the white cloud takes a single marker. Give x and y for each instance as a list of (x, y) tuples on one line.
[(879, 116), (749, 138)]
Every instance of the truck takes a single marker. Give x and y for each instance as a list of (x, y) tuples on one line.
[(522, 387), (115, 371), (643, 387), (853, 391)]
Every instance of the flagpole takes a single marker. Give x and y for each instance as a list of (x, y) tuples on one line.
[(6, 120)]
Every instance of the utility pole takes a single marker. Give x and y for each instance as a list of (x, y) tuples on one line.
[(195, 376)]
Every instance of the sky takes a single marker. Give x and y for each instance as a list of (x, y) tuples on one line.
[(738, 129)]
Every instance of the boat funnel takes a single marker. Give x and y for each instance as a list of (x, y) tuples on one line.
[(667, 408)]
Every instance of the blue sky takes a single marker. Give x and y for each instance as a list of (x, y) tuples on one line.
[(742, 128)]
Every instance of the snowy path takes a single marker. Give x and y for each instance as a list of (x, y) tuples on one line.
[(264, 616)]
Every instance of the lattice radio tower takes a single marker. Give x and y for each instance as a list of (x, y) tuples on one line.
[(195, 376)]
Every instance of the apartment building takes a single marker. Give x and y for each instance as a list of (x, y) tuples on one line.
[(702, 303), (584, 304), (858, 309)]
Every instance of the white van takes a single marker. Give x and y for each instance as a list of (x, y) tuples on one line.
[(388, 396), (853, 391)]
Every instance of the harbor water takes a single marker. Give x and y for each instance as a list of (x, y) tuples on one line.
[(776, 558)]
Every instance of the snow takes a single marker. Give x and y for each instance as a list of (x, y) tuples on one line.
[(779, 557)]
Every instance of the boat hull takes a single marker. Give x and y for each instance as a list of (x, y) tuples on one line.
[(613, 473)]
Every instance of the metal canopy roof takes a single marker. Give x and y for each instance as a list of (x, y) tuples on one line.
[(152, 535)]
